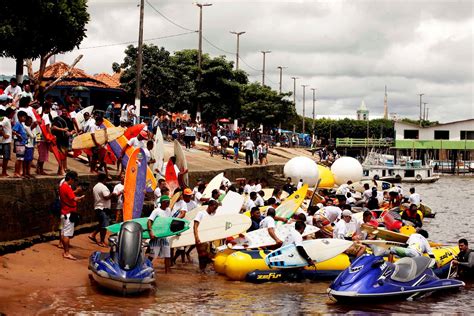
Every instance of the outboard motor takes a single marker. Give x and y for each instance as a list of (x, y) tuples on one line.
[(129, 247)]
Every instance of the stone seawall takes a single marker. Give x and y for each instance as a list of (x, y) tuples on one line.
[(25, 205)]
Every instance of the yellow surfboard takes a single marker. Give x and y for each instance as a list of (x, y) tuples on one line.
[(288, 207), (102, 136)]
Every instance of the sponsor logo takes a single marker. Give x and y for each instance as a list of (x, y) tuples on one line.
[(134, 169), (355, 269), (228, 225), (325, 241), (444, 256), (291, 255), (269, 276)]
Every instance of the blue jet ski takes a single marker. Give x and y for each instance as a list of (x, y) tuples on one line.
[(370, 278), (124, 269)]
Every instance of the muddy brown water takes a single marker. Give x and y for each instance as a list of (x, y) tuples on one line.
[(186, 291)]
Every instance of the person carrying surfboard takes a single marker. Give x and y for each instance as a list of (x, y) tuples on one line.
[(295, 237), (203, 248), (160, 246)]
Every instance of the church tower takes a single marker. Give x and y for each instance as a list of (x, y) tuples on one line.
[(363, 112), (385, 105)]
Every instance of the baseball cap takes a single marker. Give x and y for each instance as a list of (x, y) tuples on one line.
[(347, 213), (164, 198), (188, 191)]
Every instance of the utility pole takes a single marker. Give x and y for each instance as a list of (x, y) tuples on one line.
[(281, 72), (238, 47), (421, 96), (304, 103), (427, 112), (264, 52), (200, 6), (424, 111), (294, 90), (139, 61), (314, 107)]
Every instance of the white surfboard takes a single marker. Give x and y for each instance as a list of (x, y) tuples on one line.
[(80, 115), (318, 250), (215, 183), (181, 160), (383, 243), (190, 215), (261, 238), (231, 204), (158, 151), (213, 228)]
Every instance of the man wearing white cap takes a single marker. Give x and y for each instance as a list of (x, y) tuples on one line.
[(249, 147), (349, 229)]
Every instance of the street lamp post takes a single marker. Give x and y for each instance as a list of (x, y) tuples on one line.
[(294, 90), (200, 6), (304, 103), (421, 96), (314, 106), (139, 61), (238, 48), (264, 52), (281, 72)]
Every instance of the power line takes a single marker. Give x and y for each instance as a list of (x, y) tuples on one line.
[(133, 42), (216, 47), (253, 68), (168, 19)]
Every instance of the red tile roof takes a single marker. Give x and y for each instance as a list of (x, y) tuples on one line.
[(76, 77), (110, 80)]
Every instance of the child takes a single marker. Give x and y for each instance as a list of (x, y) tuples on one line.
[(6, 133), (30, 147), (21, 138)]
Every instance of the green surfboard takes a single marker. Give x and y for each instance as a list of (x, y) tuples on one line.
[(162, 226)]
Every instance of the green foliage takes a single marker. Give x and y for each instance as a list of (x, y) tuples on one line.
[(171, 82), (33, 28), (262, 105), (424, 123)]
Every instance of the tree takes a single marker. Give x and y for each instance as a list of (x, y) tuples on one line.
[(32, 29), (170, 81), (262, 105)]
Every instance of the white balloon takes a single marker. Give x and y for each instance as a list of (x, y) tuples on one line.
[(345, 169), (302, 168)]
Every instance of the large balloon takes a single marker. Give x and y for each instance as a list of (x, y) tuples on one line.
[(326, 176), (302, 168), (345, 169)]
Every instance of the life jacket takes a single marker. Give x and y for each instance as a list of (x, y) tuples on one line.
[(464, 257)]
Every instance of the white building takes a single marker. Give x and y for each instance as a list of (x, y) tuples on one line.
[(459, 130)]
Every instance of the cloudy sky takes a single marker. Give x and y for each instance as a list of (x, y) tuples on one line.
[(347, 50)]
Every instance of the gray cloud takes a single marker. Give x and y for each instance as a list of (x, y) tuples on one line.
[(348, 50)]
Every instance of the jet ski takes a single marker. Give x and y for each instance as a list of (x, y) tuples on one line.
[(124, 269), (370, 278)]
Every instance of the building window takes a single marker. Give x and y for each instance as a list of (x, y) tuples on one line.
[(411, 134), (441, 134), (467, 135)]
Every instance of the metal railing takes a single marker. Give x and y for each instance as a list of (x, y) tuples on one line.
[(364, 142)]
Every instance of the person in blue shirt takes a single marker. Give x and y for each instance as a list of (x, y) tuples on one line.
[(21, 138)]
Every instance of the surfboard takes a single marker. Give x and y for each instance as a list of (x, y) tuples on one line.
[(261, 238), (158, 151), (231, 204), (214, 184), (389, 235), (175, 199), (48, 136), (171, 178), (117, 145), (229, 150), (134, 185), (134, 130), (181, 161), (213, 228), (80, 115), (318, 250), (288, 207), (385, 244), (101, 136), (162, 226), (380, 185)]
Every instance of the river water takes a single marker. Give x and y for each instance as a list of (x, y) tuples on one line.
[(186, 291)]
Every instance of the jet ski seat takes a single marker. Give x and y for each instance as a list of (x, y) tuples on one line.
[(408, 269)]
